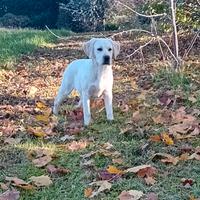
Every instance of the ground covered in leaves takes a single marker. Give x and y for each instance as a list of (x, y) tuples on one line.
[(150, 151)]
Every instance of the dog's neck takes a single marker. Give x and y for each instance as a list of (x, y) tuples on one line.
[(101, 70)]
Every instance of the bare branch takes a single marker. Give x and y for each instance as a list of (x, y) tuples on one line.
[(153, 22), (143, 15), (130, 31), (163, 41), (57, 36), (140, 48), (191, 44)]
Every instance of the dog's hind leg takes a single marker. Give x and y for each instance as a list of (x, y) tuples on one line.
[(64, 91)]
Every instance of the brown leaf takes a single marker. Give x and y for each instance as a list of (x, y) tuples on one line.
[(41, 180), (155, 138), (42, 161), (147, 172), (184, 157), (19, 183), (163, 118), (57, 170), (75, 146), (187, 183), (3, 186), (136, 116), (16, 181), (10, 195), (150, 180), (131, 195), (166, 158), (88, 192)]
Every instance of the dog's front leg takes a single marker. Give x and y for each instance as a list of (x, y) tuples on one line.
[(86, 109), (108, 104)]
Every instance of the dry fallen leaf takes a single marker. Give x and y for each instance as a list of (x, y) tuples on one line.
[(88, 192), (41, 180), (131, 195), (150, 180), (41, 105), (166, 158), (113, 170), (75, 146), (136, 169), (3, 186), (57, 170), (12, 141), (195, 156), (42, 161), (10, 195), (187, 183), (16, 181), (155, 138), (104, 185), (42, 118), (167, 139), (36, 131), (19, 183)]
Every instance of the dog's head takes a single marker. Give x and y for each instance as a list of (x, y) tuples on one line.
[(101, 50)]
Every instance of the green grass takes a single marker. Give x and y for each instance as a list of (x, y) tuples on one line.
[(173, 80), (14, 159), (71, 186), (14, 43)]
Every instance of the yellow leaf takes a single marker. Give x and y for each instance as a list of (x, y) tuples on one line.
[(88, 192), (113, 170), (37, 131), (167, 139), (42, 118), (41, 105)]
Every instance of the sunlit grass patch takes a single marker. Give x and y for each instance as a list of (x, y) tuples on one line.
[(16, 42)]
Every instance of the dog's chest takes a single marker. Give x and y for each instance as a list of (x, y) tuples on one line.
[(97, 88)]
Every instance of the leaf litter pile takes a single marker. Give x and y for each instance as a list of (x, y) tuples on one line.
[(151, 151)]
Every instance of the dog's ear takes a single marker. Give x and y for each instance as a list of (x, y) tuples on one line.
[(116, 48), (88, 48)]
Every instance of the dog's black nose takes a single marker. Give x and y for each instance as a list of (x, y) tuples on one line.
[(106, 60)]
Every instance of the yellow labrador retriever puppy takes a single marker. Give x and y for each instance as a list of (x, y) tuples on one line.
[(90, 77)]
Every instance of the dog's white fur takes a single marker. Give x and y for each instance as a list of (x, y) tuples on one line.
[(90, 77)]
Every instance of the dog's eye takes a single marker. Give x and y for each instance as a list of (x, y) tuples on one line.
[(99, 49), (109, 49)]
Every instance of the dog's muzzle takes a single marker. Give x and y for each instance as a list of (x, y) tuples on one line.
[(106, 60)]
